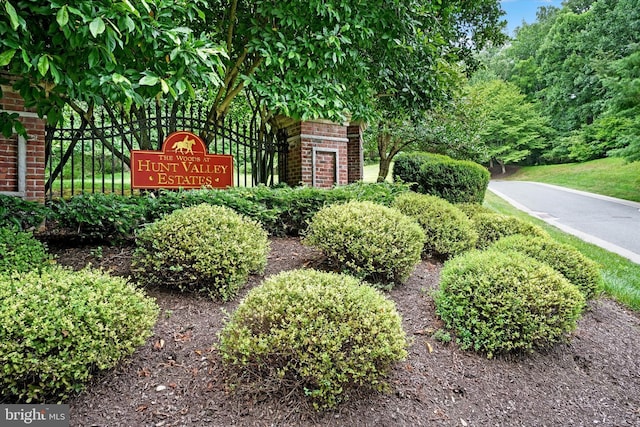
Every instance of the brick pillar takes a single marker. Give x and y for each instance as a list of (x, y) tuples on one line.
[(22, 160), (355, 152), (317, 153)]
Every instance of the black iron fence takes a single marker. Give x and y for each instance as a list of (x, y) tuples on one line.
[(93, 156)]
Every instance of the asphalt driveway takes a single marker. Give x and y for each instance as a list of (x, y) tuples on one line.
[(612, 224)]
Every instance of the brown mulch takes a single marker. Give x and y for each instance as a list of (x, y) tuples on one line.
[(174, 379)]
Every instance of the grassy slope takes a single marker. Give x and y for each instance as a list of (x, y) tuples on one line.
[(610, 177)]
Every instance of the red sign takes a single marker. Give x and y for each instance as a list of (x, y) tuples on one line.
[(182, 163)]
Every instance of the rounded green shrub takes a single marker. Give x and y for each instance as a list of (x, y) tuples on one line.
[(203, 248), (577, 268), (458, 181), (473, 209), (323, 334), (406, 166), (493, 226), (60, 326), (21, 252), (499, 302), (370, 241), (448, 231)]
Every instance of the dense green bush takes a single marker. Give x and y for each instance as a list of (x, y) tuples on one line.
[(577, 268), (61, 326), (25, 215), (448, 231), (458, 181), (473, 209), (406, 167), (203, 248), (20, 251), (109, 217), (323, 334), (493, 226), (370, 241), (281, 211), (499, 302)]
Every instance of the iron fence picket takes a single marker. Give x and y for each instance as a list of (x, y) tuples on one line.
[(109, 136)]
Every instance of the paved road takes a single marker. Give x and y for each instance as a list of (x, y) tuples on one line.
[(612, 224)]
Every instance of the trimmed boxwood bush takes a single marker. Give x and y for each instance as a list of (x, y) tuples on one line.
[(499, 302), (448, 231), (473, 209), (577, 268), (20, 251), (370, 241), (323, 334), (203, 248), (60, 326), (457, 181), (493, 226)]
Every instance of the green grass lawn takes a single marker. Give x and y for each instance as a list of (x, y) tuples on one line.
[(620, 277), (370, 173), (610, 177)]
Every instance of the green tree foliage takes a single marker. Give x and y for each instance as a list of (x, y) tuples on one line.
[(85, 53), (579, 64), (511, 129), (427, 69)]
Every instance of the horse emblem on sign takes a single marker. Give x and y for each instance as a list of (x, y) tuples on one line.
[(185, 146)]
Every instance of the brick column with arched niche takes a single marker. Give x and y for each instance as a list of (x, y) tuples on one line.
[(22, 159), (319, 153)]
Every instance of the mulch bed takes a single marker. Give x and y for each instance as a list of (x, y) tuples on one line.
[(175, 380)]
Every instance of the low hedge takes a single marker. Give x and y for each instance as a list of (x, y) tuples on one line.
[(21, 214), (281, 210), (370, 241), (406, 167), (321, 334), (499, 302), (60, 326), (203, 248)]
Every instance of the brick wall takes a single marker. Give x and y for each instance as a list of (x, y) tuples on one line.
[(355, 152), (32, 187), (321, 153)]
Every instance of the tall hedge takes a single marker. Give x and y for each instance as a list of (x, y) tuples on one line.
[(458, 181)]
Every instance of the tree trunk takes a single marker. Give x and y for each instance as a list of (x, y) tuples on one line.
[(384, 169)]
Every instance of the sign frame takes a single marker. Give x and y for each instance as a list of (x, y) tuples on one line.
[(183, 163)]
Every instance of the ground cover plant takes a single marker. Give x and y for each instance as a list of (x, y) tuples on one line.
[(21, 252), (318, 333), (203, 248)]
